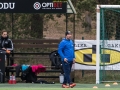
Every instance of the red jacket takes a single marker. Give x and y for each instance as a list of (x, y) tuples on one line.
[(38, 68)]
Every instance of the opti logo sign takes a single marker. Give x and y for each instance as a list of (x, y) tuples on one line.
[(37, 5), (51, 5), (7, 5)]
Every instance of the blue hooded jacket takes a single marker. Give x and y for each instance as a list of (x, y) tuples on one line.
[(66, 49)]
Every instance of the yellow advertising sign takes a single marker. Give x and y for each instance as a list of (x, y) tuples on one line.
[(88, 57)]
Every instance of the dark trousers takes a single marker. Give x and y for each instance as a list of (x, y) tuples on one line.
[(67, 70)]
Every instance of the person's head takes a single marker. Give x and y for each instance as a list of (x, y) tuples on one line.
[(68, 35), (4, 34)]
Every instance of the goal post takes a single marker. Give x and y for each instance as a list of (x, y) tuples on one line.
[(107, 34)]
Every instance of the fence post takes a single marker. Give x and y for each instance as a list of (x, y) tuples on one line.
[(82, 70)]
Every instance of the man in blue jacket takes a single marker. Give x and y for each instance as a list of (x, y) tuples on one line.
[(66, 51)]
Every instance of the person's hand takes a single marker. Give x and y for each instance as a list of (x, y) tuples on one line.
[(65, 60), (74, 61), (8, 51)]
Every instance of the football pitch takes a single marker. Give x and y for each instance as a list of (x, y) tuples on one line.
[(28, 86)]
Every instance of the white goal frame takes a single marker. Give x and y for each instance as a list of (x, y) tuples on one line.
[(98, 38)]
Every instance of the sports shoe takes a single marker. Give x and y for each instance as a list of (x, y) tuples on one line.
[(65, 86), (72, 85)]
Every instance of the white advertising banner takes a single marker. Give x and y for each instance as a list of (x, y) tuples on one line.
[(85, 52)]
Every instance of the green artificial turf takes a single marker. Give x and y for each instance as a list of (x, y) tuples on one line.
[(26, 86)]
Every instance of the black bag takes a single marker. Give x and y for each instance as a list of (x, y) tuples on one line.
[(55, 60), (28, 75), (25, 73)]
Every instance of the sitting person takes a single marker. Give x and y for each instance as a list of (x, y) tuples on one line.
[(6, 44)]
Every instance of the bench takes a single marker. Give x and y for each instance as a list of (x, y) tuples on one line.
[(33, 52)]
